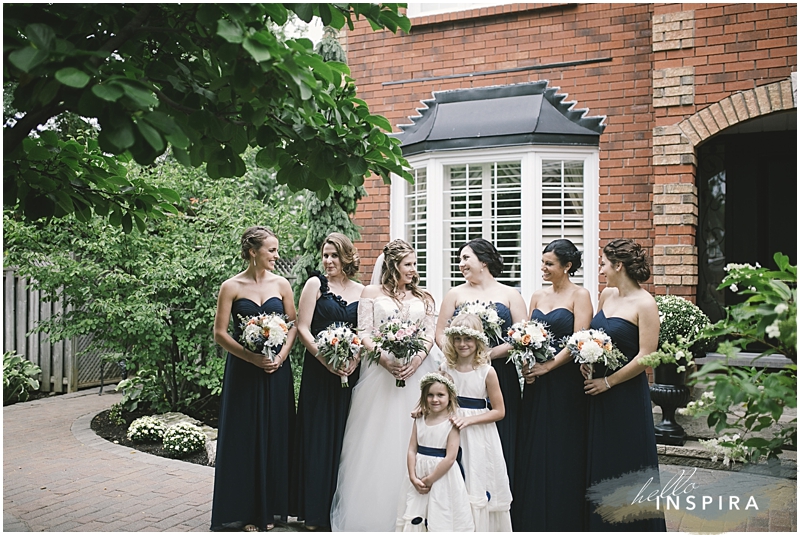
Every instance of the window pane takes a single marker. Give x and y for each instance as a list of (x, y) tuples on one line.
[(562, 203), (417, 220)]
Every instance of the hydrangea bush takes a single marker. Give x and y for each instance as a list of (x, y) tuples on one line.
[(679, 318), (146, 429), (183, 439)]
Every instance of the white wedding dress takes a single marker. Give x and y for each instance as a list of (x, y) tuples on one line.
[(372, 467)]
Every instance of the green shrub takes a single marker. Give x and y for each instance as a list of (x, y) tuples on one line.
[(20, 378), (679, 318)]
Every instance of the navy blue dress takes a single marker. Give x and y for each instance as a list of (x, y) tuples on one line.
[(254, 443), (509, 385), (621, 435), (550, 468), (322, 410)]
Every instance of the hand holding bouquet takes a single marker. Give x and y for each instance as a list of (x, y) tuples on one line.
[(339, 346), (530, 343), (264, 332), (402, 338), (487, 312), (594, 345)]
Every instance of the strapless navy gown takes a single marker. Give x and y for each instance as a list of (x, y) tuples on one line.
[(509, 385), (322, 410), (254, 443), (550, 468), (621, 435)]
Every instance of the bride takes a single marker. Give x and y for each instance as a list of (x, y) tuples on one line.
[(373, 461)]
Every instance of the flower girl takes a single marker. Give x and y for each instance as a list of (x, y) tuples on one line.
[(435, 498), (486, 477)]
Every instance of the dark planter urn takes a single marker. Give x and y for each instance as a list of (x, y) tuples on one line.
[(669, 391)]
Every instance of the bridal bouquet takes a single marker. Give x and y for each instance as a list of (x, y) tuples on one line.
[(401, 337), (594, 345), (264, 332), (339, 346), (530, 343), (487, 312)]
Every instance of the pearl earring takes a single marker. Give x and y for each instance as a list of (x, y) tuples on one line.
[(565, 271)]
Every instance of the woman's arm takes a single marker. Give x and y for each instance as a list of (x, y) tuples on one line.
[(453, 442), (445, 315), (227, 294), (516, 305), (498, 410), (307, 305), (649, 326)]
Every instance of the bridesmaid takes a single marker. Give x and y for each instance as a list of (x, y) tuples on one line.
[(480, 264), (621, 436), (323, 404), (256, 420), (550, 468)]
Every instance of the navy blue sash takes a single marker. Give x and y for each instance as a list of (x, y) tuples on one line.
[(441, 452), (473, 403)]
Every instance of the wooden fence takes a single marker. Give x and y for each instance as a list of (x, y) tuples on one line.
[(66, 366)]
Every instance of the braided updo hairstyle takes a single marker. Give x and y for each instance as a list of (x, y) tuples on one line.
[(486, 253), (347, 252), (253, 238), (393, 254), (566, 252), (632, 257)]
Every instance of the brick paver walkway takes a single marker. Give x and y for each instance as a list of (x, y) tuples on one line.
[(59, 476)]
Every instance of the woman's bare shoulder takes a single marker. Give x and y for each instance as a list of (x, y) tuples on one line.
[(371, 291)]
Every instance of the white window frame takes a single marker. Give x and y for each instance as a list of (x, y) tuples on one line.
[(530, 159), (415, 9)]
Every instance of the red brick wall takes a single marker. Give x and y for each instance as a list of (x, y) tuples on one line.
[(735, 47)]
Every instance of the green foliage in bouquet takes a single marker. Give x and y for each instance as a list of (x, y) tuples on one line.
[(20, 377)]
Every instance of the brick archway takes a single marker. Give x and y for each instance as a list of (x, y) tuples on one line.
[(675, 199)]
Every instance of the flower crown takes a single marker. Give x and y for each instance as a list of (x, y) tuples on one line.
[(434, 377), (466, 331)]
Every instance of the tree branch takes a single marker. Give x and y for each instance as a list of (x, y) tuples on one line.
[(13, 136)]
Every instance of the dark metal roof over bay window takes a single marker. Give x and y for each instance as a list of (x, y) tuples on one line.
[(501, 116)]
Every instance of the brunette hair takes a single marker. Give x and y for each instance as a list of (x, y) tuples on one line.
[(347, 252), (486, 253), (566, 252), (253, 238), (393, 254), (632, 257), (471, 321)]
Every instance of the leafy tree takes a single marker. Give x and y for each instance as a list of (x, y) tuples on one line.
[(323, 216), (150, 297), (208, 80)]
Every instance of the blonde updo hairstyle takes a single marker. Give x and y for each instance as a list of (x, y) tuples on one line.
[(347, 252), (393, 254), (470, 321), (253, 238), (632, 257)]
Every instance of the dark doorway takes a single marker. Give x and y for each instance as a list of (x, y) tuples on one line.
[(747, 187)]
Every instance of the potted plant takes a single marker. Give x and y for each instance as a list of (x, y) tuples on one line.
[(681, 323)]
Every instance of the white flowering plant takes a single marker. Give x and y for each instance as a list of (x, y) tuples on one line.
[(678, 353), (750, 400), (680, 318), (402, 338), (183, 439), (264, 332), (531, 342), (729, 447), (146, 429), (487, 312), (590, 346), (339, 345)]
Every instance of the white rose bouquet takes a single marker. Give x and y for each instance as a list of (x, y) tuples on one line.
[(530, 343), (487, 312), (402, 338), (339, 346), (264, 332), (594, 345)]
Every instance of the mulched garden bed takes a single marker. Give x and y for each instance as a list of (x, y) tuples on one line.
[(118, 433)]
